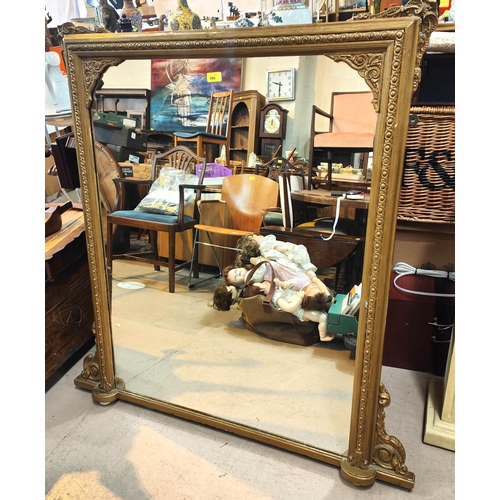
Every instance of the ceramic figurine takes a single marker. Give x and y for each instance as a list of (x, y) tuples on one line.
[(133, 14), (124, 25), (234, 13), (243, 22), (109, 16), (183, 18)]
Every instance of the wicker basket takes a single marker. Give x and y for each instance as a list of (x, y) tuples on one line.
[(428, 189)]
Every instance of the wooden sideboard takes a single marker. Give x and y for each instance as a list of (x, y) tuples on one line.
[(68, 301)]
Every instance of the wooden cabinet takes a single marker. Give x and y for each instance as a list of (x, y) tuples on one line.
[(68, 300), (245, 124)]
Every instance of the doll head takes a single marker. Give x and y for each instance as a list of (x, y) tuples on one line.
[(235, 276), (249, 247), (224, 297), (315, 300)]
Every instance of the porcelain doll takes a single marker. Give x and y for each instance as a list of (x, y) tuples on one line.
[(303, 307), (288, 254), (298, 278), (316, 293)]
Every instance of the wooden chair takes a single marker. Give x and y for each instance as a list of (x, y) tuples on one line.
[(343, 250), (273, 216), (107, 170), (180, 158), (351, 129), (243, 198), (159, 141), (218, 131)]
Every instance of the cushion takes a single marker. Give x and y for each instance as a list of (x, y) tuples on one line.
[(343, 140), (153, 217), (163, 196), (273, 219), (193, 135)]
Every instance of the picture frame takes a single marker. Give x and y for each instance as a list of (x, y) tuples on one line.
[(181, 89), (138, 116)]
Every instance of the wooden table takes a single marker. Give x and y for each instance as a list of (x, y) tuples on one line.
[(72, 227), (324, 197), (334, 251)]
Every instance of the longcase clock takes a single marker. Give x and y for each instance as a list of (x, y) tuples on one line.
[(272, 129)]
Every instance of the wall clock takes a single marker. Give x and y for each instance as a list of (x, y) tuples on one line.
[(280, 85), (272, 129)]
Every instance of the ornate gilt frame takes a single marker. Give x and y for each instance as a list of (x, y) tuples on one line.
[(386, 50)]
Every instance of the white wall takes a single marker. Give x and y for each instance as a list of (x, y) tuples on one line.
[(316, 79)]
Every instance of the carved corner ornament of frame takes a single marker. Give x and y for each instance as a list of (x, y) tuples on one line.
[(428, 23), (90, 378), (389, 453), (93, 68)]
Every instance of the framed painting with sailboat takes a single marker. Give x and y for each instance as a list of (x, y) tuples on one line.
[(181, 90)]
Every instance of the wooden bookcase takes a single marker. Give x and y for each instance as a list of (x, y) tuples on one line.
[(245, 124)]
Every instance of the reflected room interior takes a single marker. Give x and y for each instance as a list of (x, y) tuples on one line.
[(178, 348)]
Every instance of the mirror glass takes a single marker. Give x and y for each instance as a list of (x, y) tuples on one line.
[(173, 352), (177, 348)]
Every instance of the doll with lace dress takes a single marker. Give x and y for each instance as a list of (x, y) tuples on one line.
[(308, 303), (288, 254)]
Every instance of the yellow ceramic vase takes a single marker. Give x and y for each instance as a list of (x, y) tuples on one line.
[(184, 18)]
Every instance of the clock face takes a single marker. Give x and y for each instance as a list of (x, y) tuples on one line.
[(272, 121), (281, 85)]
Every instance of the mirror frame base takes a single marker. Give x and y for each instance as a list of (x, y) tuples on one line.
[(357, 476), (367, 477)]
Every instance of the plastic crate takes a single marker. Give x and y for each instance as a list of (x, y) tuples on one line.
[(214, 170)]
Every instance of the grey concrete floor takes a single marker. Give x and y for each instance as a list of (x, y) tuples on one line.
[(122, 451)]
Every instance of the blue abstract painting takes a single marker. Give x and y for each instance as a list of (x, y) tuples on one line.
[(181, 90)]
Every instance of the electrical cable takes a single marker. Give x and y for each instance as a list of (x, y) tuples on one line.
[(339, 199), (403, 269)]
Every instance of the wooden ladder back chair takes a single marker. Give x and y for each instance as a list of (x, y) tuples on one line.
[(352, 121), (218, 130), (243, 199), (180, 158), (275, 168)]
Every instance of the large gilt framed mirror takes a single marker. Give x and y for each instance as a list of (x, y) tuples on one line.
[(188, 374)]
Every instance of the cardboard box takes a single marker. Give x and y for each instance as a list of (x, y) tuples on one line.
[(122, 153), (136, 170)]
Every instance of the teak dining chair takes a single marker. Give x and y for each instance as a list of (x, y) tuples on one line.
[(351, 129), (243, 197), (218, 130), (180, 158)]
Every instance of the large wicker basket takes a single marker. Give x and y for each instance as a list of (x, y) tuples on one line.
[(428, 189)]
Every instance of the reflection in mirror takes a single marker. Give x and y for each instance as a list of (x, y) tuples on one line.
[(178, 348), (194, 362)]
